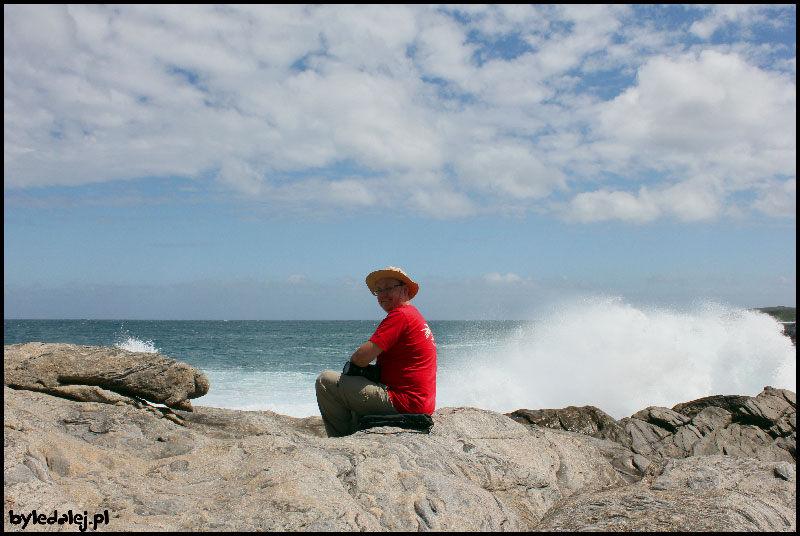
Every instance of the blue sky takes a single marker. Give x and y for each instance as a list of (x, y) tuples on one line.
[(257, 162)]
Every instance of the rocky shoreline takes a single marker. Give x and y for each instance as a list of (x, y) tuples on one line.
[(83, 438)]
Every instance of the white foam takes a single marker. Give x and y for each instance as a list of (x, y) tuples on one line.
[(134, 344), (287, 393), (609, 354)]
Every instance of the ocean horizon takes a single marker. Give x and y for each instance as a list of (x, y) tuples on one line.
[(603, 353)]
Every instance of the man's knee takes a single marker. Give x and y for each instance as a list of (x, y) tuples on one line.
[(327, 379)]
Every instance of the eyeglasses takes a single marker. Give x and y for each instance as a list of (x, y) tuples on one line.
[(387, 290)]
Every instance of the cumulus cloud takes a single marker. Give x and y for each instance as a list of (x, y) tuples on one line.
[(704, 104), (711, 123), (589, 113), (603, 205), (685, 201)]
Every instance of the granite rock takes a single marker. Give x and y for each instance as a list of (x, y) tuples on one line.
[(761, 427), (698, 494), (154, 469), (244, 470), (102, 374), (256, 470)]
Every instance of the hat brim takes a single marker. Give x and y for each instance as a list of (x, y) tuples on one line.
[(374, 277)]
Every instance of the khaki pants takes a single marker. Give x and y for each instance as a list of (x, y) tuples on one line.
[(343, 399)]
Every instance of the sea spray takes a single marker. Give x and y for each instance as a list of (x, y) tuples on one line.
[(287, 393), (601, 352), (620, 358), (137, 345), (129, 342)]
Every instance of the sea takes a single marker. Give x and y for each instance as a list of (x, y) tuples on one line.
[(601, 352)]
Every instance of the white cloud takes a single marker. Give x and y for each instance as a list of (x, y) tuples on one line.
[(297, 279), (604, 205), (442, 51), (692, 200), (712, 120), (435, 200), (500, 279), (778, 199), (592, 28), (510, 169), (722, 14), (270, 99), (702, 105), (47, 35)]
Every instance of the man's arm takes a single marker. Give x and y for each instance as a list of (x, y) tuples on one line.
[(365, 354)]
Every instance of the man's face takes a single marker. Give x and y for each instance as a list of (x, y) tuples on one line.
[(394, 294)]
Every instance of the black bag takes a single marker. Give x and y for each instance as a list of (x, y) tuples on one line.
[(370, 372), (420, 422)]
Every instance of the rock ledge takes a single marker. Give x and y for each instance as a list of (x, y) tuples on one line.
[(218, 469)]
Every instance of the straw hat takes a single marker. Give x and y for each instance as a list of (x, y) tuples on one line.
[(393, 273)]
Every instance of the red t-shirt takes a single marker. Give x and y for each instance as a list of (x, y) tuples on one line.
[(408, 360)]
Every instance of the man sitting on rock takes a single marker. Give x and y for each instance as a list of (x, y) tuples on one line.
[(404, 380)]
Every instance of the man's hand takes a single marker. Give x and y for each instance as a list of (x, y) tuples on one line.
[(365, 354)]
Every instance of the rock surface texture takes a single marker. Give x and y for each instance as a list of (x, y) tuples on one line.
[(101, 374), (217, 469), (761, 427)]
